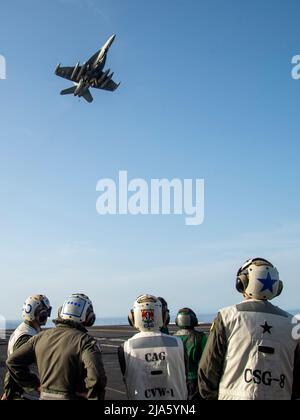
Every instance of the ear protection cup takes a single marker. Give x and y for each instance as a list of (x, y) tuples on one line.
[(90, 319), (165, 311), (196, 322), (42, 314), (131, 318), (59, 311), (242, 283), (167, 318), (42, 317), (280, 289)]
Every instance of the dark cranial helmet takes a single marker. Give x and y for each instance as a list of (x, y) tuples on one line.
[(165, 311), (187, 319)]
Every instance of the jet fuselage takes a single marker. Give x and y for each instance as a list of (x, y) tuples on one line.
[(90, 74)]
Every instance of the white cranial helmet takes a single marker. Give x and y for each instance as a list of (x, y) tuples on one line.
[(78, 308), (37, 308), (259, 279), (147, 313)]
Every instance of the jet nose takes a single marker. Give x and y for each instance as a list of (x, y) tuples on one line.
[(111, 39)]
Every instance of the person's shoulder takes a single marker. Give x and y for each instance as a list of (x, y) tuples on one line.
[(87, 342), (198, 334), (128, 343), (24, 339), (281, 312), (228, 310), (180, 333), (262, 306), (19, 327), (86, 336), (172, 339), (136, 336), (23, 328), (42, 335), (72, 331)]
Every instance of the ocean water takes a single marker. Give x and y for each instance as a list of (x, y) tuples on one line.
[(10, 325), (117, 321)]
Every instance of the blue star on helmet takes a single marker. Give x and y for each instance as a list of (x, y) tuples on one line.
[(268, 283)]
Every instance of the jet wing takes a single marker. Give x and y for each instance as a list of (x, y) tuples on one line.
[(111, 86), (66, 72)]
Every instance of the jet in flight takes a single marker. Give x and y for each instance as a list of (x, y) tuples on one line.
[(90, 74)]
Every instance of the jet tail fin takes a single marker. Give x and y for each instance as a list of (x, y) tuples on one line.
[(69, 91), (88, 96)]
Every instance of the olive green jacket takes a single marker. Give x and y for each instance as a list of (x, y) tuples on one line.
[(69, 363)]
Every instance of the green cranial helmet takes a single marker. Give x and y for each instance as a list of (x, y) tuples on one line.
[(187, 319)]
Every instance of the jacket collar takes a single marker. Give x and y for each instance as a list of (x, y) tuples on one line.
[(63, 323)]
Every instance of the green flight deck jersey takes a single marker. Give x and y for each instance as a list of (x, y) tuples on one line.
[(194, 343)]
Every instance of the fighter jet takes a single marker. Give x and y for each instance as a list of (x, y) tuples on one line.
[(89, 75)]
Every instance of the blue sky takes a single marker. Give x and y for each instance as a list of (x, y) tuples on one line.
[(206, 93)]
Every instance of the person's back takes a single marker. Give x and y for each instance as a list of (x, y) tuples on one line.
[(62, 354), (155, 367), (262, 344), (252, 353), (152, 363)]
